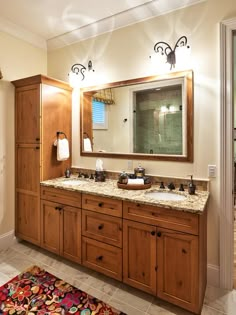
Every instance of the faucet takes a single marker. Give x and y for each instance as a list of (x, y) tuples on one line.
[(171, 186)]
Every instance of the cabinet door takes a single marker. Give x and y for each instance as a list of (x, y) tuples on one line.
[(139, 255), (27, 115), (28, 192), (177, 273), (50, 226), (71, 236)]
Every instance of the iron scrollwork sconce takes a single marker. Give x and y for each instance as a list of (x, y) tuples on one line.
[(78, 68), (168, 51)]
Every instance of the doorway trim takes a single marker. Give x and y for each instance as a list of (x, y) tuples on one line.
[(226, 237)]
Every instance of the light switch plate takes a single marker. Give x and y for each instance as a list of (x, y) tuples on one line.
[(212, 171)]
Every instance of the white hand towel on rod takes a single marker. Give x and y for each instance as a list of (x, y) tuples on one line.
[(87, 145), (63, 152)]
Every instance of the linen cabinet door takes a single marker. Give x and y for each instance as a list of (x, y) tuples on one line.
[(51, 226), (27, 192), (71, 234), (139, 255), (177, 272), (27, 114)]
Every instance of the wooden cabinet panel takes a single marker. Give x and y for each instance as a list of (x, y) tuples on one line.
[(71, 236), (51, 226), (70, 198), (102, 227), (42, 107), (171, 219), (27, 168), (139, 255), (178, 273), (101, 257), (27, 217), (27, 114), (102, 205), (61, 229)]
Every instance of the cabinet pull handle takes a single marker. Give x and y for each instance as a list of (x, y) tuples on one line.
[(99, 258), (58, 208), (37, 148), (100, 227), (153, 232), (37, 139), (100, 204), (159, 234)]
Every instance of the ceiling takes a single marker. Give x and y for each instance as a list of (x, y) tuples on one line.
[(56, 23)]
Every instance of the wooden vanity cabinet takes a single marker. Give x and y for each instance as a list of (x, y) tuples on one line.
[(102, 235), (166, 255), (61, 222), (42, 107)]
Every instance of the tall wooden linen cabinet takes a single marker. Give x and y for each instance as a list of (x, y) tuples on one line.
[(42, 108)]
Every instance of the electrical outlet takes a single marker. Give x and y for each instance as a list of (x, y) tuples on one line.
[(129, 165), (211, 170)]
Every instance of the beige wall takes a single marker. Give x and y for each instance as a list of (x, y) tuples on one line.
[(18, 59), (120, 55), (123, 54)]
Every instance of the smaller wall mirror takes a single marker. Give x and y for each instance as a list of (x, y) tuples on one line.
[(144, 118)]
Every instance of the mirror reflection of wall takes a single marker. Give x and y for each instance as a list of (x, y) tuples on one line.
[(154, 124), (148, 118), (158, 121)]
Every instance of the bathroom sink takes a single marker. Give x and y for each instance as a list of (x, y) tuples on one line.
[(165, 195), (73, 182)]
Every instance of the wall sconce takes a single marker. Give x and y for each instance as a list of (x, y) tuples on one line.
[(164, 48), (77, 73)]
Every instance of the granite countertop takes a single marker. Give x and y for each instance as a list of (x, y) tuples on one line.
[(193, 203)]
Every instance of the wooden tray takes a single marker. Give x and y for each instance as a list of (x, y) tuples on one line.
[(134, 187)]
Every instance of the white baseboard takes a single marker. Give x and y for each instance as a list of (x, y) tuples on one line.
[(7, 240), (213, 275)]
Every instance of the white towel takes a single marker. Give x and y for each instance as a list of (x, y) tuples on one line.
[(87, 145), (63, 152), (135, 181)]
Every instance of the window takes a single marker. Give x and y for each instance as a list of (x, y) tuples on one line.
[(100, 119)]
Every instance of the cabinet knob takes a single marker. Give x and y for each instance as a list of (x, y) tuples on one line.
[(100, 204), (100, 227), (37, 139), (153, 232), (159, 234), (58, 208), (184, 251), (37, 148), (99, 258)]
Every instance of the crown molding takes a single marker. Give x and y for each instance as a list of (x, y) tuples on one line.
[(23, 34), (134, 15), (140, 13)]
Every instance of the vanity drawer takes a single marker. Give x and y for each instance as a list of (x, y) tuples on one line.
[(103, 258), (102, 205), (70, 198), (102, 227), (162, 217)]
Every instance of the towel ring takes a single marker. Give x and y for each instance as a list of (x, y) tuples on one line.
[(61, 133)]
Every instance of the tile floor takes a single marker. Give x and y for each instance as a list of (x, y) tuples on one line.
[(131, 301)]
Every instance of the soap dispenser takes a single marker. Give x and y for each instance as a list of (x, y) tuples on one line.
[(191, 187)]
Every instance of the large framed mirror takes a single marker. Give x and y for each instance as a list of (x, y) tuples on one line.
[(149, 118)]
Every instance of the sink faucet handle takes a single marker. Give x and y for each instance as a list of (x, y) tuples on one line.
[(181, 187), (162, 185), (171, 186)]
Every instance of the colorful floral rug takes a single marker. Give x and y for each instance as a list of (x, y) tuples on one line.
[(36, 291)]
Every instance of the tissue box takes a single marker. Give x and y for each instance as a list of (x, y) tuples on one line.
[(100, 176)]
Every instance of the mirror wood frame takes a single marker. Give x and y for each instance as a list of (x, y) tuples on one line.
[(87, 93)]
